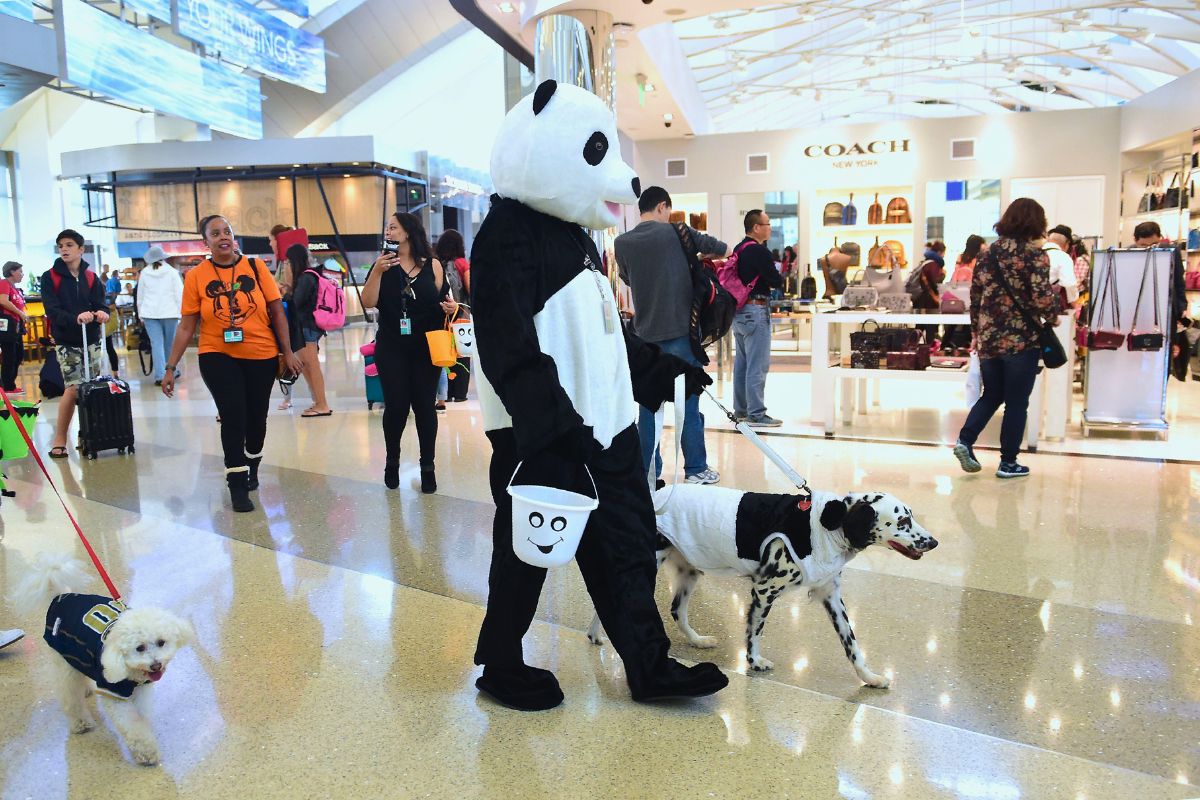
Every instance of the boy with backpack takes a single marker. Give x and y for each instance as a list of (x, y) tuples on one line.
[(73, 296)]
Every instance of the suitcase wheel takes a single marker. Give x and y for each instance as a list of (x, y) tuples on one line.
[(121, 450), (130, 449), (370, 406), (91, 454)]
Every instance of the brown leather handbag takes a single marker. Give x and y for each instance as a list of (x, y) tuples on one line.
[(875, 212), (897, 212)]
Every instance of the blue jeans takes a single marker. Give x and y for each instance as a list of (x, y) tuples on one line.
[(1008, 381), (751, 360), (162, 336), (443, 387), (695, 456)]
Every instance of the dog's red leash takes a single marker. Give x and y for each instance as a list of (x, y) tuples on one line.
[(112, 589)]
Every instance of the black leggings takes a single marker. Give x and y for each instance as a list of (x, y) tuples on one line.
[(409, 380), (14, 352), (241, 388)]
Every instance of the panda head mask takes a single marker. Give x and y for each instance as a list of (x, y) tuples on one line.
[(557, 153)]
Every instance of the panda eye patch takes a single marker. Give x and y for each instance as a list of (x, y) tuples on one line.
[(596, 148)]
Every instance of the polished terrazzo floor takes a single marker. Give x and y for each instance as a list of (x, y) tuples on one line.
[(1047, 649)]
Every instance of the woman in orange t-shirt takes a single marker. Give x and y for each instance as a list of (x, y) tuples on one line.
[(236, 304)]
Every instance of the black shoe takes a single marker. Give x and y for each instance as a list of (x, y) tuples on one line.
[(521, 687), (659, 484), (391, 474), (1011, 469), (428, 480), (252, 477), (674, 681), (158, 383), (239, 494)]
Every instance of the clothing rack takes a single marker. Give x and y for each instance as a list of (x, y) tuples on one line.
[(1128, 388)]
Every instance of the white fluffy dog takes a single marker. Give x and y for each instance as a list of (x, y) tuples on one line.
[(105, 646)]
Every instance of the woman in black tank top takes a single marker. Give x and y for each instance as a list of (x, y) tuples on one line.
[(409, 291)]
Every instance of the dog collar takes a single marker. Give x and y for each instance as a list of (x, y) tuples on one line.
[(805, 501)]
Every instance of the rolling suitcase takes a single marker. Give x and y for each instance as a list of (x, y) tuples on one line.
[(374, 388), (105, 412)]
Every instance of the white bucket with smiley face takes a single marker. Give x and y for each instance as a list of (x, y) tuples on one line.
[(464, 336), (547, 522)]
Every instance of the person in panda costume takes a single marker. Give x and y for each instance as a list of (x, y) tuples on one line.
[(559, 390)]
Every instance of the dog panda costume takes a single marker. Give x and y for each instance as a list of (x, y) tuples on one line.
[(559, 387)]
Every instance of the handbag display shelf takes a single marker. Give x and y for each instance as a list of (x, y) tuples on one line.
[(847, 388), (1125, 380)]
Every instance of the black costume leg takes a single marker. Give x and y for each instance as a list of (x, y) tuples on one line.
[(619, 564), (513, 591)]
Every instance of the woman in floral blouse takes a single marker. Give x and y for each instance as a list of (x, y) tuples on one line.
[(1014, 270)]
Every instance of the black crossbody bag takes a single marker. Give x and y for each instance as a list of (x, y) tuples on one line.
[(1053, 354)]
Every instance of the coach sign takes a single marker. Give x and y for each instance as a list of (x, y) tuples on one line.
[(875, 148), (243, 34)]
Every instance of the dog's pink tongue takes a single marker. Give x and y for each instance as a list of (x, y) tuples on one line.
[(155, 676)]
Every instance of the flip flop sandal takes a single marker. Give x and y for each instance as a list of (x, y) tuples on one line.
[(307, 415), (58, 452)]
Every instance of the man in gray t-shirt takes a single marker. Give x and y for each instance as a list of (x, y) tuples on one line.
[(651, 259)]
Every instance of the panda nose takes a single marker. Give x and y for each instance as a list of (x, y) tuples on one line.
[(637, 188)]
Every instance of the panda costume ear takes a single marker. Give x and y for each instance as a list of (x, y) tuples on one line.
[(541, 97)]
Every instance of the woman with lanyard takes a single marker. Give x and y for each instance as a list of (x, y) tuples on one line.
[(235, 303), (408, 288)]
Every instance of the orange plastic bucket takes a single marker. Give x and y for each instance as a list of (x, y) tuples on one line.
[(441, 346)]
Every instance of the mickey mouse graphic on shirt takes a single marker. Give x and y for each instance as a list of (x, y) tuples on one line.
[(229, 306)]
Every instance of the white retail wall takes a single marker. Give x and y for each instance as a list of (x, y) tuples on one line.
[(1044, 145)]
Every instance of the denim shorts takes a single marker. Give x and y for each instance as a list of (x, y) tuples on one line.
[(311, 336)]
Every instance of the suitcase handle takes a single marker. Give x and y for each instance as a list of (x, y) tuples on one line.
[(87, 362)]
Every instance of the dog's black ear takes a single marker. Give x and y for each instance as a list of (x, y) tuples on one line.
[(859, 522), (833, 514), (543, 94)]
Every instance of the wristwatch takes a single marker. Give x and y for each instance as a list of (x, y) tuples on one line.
[(170, 368)]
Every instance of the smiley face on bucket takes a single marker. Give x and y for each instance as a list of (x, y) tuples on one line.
[(557, 524), (464, 335)]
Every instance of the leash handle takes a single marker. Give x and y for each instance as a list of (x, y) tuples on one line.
[(771, 455), (112, 589)]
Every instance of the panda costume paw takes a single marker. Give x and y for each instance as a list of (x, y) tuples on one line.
[(560, 380)]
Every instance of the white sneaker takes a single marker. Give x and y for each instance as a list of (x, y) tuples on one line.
[(709, 476), (11, 637)]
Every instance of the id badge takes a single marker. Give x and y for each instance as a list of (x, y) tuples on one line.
[(405, 326), (234, 335)]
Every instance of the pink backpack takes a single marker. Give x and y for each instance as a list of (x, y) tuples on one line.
[(330, 313), (727, 276)]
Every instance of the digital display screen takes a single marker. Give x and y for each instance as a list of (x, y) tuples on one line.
[(159, 9), (243, 34), (297, 7), (21, 9), (103, 54)]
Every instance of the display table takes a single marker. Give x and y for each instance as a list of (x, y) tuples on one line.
[(1051, 396)]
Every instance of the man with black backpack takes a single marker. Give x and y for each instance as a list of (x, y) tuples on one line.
[(657, 260), (73, 297)]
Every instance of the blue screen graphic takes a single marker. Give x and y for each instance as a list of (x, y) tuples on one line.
[(159, 9), (243, 34), (115, 59), (21, 9), (297, 7)]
